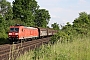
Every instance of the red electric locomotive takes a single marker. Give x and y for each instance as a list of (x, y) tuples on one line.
[(21, 32)]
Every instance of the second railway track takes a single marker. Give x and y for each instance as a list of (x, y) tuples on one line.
[(11, 52)]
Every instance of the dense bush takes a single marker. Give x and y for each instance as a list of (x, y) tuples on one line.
[(79, 28)]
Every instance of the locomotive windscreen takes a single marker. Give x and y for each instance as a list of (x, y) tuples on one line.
[(14, 29)]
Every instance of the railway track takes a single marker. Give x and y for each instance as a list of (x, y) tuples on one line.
[(11, 52)]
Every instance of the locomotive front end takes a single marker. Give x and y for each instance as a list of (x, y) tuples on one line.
[(13, 34)]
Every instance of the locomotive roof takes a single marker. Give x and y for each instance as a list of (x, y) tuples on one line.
[(30, 27), (24, 27)]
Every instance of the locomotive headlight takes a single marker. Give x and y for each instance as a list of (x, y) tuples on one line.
[(16, 33), (10, 33)]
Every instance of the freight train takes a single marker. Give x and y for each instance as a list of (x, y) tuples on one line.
[(20, 32)]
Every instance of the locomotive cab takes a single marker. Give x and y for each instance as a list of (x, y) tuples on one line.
[(18, 33), (13, 34)]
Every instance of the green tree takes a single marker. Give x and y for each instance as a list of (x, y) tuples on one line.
[(6, 9), (2, 25), (55, 26), (82, 23), (42, 18), (67, 28), (89, 16), (25, 11)]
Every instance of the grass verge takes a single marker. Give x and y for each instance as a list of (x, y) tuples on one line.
[(77, 50)]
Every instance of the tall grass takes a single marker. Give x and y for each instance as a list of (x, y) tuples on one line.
[(79, 49)]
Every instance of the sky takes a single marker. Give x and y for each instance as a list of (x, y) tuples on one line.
[(63, 11)]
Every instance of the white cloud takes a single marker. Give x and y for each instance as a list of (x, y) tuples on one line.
[(82, 2)]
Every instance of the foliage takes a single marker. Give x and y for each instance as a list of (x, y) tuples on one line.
[(77, 50), (55, 26), (42, 18), (54, 38), (62, 37), (3, 35), (25, 11), (80, 27), (6, 9), (28, 11), (81, 24)]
